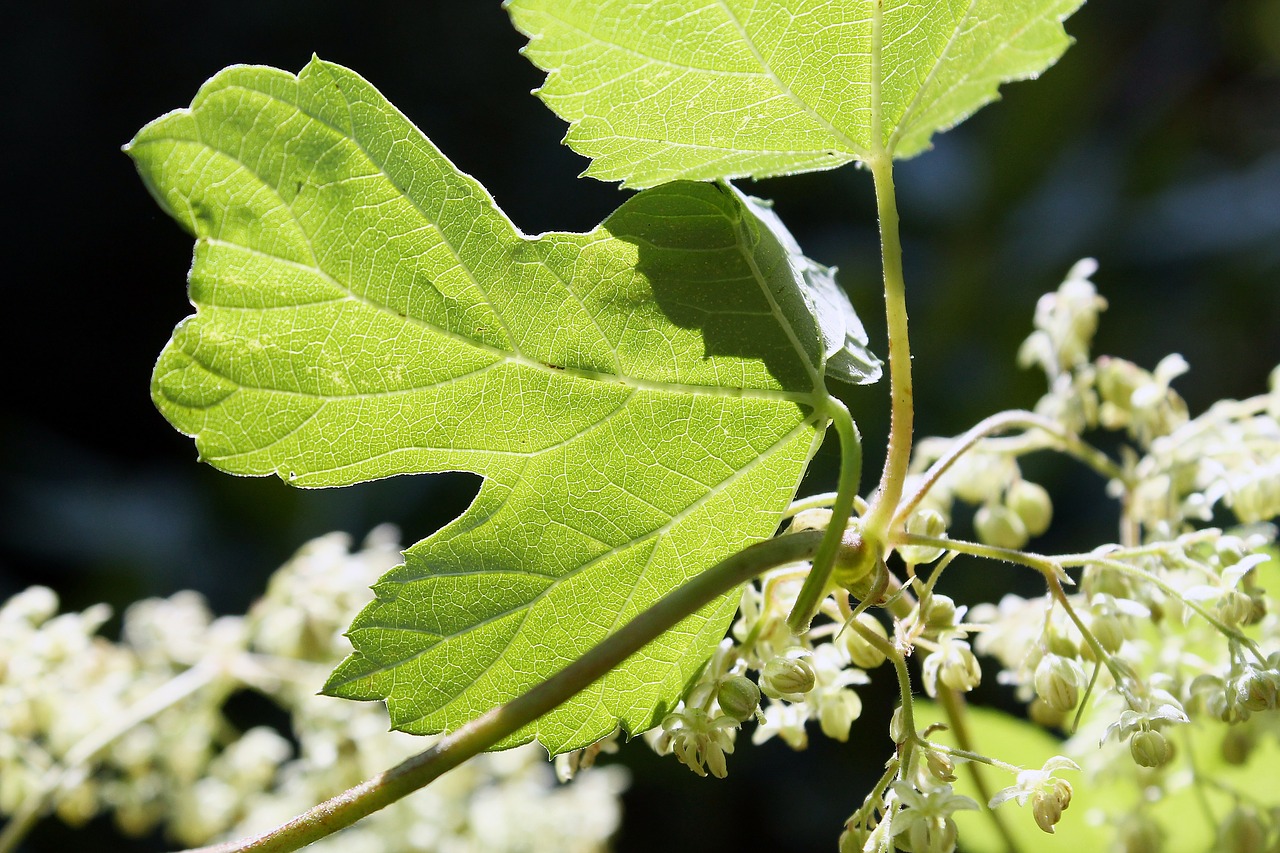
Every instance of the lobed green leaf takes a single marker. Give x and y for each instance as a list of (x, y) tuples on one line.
[(702, 89), (641, 400)]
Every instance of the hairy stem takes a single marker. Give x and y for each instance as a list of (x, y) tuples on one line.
[(902, 412), (1066, 441), (488, 729), (895, 657)]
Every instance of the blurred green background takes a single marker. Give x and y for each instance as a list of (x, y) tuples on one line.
[(1154, 146)]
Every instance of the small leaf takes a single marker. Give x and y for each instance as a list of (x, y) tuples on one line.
[(641, 400), (703, 89)]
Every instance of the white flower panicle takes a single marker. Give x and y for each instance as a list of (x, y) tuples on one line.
[(803, 678), (1172, 626), (137, 729)]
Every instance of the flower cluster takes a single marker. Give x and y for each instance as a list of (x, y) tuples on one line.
[(1167, 634), (802, 678), (1169, 628), (136, 728)]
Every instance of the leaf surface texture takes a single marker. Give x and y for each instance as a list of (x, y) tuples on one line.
[(700, 89), (641, 400)]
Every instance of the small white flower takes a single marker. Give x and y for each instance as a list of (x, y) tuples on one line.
[(954, 665), (785, 720), (926, 818), (701, 741), (1048, 794)]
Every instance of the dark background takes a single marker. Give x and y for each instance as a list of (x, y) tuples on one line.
[(1154, 145)]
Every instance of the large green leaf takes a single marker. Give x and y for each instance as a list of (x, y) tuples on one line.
[(641, 400), (702, 89)]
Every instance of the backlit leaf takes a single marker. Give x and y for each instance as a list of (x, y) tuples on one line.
[(641, 400), (703, 89)]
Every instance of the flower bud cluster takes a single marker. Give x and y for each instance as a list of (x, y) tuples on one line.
[(763, 671), (937, 624), (1138, 401), (1065, 323), (1011, 510), (65, 690), (1176, 626), (1162, 641), (1229, 455)]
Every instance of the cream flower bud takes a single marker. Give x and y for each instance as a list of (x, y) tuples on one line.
[(1042, 714), (939, 613), (862, 653), (1057, 681), (954, 665), (1032, 504), (1000, 527), (924, 522), (1150, 749), (940, 765), (1108, 630), (897, 726), (1048, 804), (1235, 607), (787, 677), (1256, 689), (1060, 643), (739, 697), (837, 709)]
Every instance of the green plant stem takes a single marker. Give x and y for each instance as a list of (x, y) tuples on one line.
[(953, 706), (814, 588), (1066, 441), (876, 525), (824, 500), (78, 756), (1218, 625), (503, 721), (1045, 565), (1048, 567), (890, 651)]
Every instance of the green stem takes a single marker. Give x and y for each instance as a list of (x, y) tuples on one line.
[(822, 501), (890, 651), (814, 588), (898, 453), (1042, 564), (503, 721), (1068, 442)]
